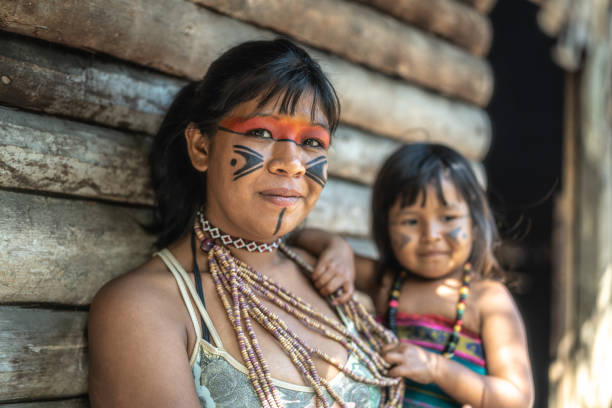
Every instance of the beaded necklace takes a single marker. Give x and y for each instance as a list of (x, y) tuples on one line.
[(226, 239), (453, 338), (241, 289)]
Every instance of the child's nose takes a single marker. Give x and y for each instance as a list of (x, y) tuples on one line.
[(286, 159), (431, 231)]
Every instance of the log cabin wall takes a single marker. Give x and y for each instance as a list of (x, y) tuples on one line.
[(84, 85)]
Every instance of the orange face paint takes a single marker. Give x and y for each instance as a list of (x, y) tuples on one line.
[(280, 128)]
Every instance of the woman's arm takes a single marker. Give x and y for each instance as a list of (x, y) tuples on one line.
[(337, 265), (138, 348), (508, 382)]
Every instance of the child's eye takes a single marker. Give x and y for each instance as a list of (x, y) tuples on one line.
[(409, 222), (312, 143), (263, 133), (449, 218)]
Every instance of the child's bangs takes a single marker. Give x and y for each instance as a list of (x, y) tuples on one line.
[(415, 187)]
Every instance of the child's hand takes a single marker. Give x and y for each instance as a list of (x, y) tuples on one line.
[(335, 270), (411, 361)]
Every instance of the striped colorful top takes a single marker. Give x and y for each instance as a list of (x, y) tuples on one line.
[(431, 332)]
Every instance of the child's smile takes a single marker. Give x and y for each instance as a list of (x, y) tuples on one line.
[(432, 237)]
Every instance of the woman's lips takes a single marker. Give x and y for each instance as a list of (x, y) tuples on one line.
[(281, 197)]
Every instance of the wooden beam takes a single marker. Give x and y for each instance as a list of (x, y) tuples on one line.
[(63, 403), (198, 36), (450, 19), (362, 35), (357, 155), (407, 113), (483, 6), (343, 207), (59, 156), (51, 80), (62, 251), (43, 353)]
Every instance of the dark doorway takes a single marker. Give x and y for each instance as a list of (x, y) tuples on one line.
[(524, 162)]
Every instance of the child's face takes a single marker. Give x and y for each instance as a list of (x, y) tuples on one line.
[(431, 239)]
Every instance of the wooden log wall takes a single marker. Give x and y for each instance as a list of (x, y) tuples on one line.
[(84, 86)]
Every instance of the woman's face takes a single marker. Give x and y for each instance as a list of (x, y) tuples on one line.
[(431, 238), (266, 170)]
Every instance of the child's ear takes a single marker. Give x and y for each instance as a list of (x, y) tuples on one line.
[(198, 146)]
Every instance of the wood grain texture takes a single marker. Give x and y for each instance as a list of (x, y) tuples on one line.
[(371, 101), (54, 80), (407, 113), (62, 251), (363, 35), (42, 353), (62, 403), (343, 207), (450, 19), (55, 155)]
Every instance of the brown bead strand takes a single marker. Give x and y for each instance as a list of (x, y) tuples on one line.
[(240, 288)]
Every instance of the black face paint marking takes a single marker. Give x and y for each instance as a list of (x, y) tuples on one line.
[(253, 159), (316, 171), (454, 234), (280, 220), (233, 162), (400, 240)]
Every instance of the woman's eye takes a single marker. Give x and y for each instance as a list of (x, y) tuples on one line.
[(312, 143), (449, 218), (263, 133), (408, 222)]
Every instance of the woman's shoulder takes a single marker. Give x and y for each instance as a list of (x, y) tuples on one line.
[(146, 292)]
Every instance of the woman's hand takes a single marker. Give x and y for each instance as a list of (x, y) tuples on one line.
[(411, 362), (335, 271)]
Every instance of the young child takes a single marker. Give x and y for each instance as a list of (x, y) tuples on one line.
[(462, 340)]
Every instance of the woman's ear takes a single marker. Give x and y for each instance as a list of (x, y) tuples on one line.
[(198, 145)]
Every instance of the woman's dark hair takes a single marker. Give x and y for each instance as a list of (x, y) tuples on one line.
[(406, 174), (267, 71)]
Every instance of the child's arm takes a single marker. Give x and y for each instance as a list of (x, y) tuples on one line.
[(508, 382), (337, 265)]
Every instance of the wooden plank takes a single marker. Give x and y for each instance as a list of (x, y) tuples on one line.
[(63, 403), (343, 207), (42, 353), (406, 113), (54, 81), (483, 6), (357, 155), (198, 36), (59, 156), (450, 19), (362, 35), (62, 251), (68, 83)]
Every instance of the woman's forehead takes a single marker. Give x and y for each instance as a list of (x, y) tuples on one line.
[(303, 109)]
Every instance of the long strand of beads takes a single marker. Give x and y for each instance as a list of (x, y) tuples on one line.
[(239, 288)]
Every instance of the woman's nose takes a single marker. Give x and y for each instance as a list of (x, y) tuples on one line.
[(286, 159)]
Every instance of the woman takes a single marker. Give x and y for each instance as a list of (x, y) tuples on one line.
[(239, 161)]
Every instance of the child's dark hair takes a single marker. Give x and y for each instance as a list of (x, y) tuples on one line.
[(270, 71), (406, 174)]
